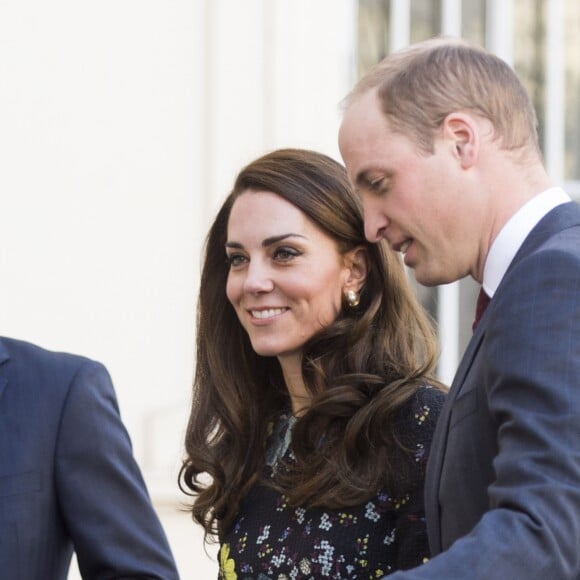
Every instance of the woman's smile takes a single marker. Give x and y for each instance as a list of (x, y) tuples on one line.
[(267, 313)]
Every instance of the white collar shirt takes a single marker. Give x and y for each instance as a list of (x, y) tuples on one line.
[(514, 232)]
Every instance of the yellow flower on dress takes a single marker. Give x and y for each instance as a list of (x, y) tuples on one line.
[(227, 564)]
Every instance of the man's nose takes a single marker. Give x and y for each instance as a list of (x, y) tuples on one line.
[(375, 226)]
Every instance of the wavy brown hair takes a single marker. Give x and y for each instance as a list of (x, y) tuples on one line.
[(360, 370)]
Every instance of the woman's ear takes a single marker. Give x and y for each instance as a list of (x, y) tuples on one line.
[(357, 265)]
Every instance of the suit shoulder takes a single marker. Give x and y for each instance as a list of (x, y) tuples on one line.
[(30, 359)]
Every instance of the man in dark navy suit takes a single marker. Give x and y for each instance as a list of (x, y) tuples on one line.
[(440, 141), (68, 479)]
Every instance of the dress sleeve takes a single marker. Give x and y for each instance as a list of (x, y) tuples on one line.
[(411, 531)]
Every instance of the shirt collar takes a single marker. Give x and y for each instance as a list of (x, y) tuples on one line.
[(514, 232)]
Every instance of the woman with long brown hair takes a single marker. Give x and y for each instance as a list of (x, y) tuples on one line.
[(313, 402)]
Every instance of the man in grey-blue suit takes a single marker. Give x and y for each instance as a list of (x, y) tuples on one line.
[(68, 480), (440, 141)]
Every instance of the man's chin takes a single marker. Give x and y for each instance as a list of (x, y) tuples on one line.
[(426, 277)]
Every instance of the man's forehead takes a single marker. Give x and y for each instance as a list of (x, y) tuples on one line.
[(363, 104)]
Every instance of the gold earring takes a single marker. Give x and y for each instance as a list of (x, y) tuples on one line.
[(352, 298)]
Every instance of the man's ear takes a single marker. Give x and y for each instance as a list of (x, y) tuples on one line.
[(463, 132), (357, 264)]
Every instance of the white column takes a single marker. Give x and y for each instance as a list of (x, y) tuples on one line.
[(448, 331), (400, 24), (451, 17), (555, 87), (448, 295), (499, 28)]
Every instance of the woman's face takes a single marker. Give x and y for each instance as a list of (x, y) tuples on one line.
[(286, 275)]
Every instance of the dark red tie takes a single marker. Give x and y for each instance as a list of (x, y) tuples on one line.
[(482, 302)]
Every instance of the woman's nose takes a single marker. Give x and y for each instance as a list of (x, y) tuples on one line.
[(258, 278)]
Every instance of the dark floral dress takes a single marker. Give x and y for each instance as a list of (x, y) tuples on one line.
[(270, 539)]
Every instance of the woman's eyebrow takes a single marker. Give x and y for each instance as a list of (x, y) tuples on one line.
[(268, 241)]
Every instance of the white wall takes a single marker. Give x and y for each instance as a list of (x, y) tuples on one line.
[(122, 126), (276, 71)]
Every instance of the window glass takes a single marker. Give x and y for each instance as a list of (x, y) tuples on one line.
[(373, 33), (473, 21), (425, 19), (529, 51)]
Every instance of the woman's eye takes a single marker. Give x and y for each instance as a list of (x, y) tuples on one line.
[(234, 260), (286, 254)]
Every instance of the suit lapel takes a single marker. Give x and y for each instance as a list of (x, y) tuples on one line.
[(3, 383), (3, 379), (437, 453)]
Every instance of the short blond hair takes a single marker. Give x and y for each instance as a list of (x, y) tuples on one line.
[(421, 84)]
